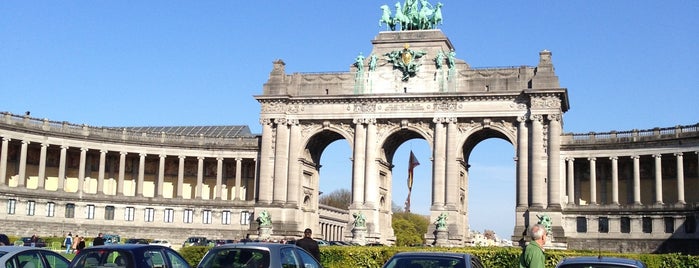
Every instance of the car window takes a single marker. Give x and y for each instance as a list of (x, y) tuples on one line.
[(29, 259), (308, 260), (288, 258), (55, 261), (176, 261), (594, 265), (236, 258), (153, 259)]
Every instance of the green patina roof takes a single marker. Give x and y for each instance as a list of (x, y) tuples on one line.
[(207, 131)]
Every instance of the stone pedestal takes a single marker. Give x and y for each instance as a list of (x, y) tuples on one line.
[(441, 237), (265, 232), (359, 235)]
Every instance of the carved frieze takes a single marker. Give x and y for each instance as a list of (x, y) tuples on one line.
[(546, 102), (364, 107), (445, 106), (400, 107)]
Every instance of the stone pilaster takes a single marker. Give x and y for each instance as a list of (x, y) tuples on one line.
[(180, 175), (522, 163), (636, 180), (122, 172), (281, 161), (538, 164), (294, 181), (3, 160), (615, 180), (22, 174), (200, 178), (161, 175), (358, 162), (680, 179), (554, 161), (658, 179), (571, 180), (141, 174), (219, 178), (101, 170), (371, 180), (42, 166), (266, 164), (593, 180), (62, 168), (452, 171), (238, 179), (438, 184)]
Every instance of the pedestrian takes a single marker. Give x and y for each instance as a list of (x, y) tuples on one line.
[(4, 240), (68, 242), (98, 241), (80, 246), (74, 246), (533, 254), (309, 244)]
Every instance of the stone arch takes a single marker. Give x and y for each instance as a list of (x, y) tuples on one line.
[(320, 136), (398, 134), (475, 135)]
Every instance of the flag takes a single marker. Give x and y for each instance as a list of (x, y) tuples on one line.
[(411, 165)]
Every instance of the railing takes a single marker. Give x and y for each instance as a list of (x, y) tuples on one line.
[(632, 135), (122, 135)]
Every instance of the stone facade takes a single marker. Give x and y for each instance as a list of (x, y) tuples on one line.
[(608, 187)]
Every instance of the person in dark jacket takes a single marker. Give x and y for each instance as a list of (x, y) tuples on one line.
[(4, 240), (98, 241), (309, 244)]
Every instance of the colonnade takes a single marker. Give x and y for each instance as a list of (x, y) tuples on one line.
[(121, 169)]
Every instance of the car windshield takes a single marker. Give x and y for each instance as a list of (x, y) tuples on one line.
[(236, 258), (425, 262)]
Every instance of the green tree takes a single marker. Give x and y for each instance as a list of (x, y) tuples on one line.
[(340, 198), (409, 228)]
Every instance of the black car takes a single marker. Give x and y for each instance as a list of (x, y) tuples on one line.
[(599, 262), (433, 259), (129, 256), (137, 241), (268, 255), (39, 243)]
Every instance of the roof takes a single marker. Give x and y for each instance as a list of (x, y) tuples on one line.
[(602, 260), (207, 131)]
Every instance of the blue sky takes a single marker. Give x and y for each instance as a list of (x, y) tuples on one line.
[(627, 64)]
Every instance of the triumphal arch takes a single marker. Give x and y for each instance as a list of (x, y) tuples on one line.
[(626, 191), (411, 86)]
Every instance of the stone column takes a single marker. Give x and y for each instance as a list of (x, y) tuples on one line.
[(81, 171), (122, 172), (522, 163), (200, 178), (438, 153), (658, 179), (680, 179), (538, 163), (42, 166), (62, 168), (554, 160), (100, 173), (615, 180), (452, 174), (593, 180), (293, 187), (281, 161), (571, 180), (266, 164), (141, 173), (371, 185), (358, 162), (161, 175), (238, 173), (636, 180), (180, 176), (3, 160), (219, 178), (22, 174)]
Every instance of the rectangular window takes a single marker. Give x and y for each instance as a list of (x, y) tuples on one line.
[(90, 212), (245, 217), (109, 213), (50, 209), (70, 210), (226, 217), (188, 215), (169, 215), (669, 225), (129, 213), (647, 225), (11, 206), (149, 214), (603, 225), (690, 224), (31, 208), (206, 217), (625, 223), (581, 223)]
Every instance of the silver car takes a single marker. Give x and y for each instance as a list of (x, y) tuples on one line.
[(599, 262), (249, 255), (433, 259), (30, 257)]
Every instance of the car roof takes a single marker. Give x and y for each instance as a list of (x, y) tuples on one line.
[(13, 249), (256, 245), (602, 260), (431, 254), (123, 246)]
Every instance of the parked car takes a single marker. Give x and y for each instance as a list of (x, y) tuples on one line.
[(128, 255), (31, 257), (338, 243), (599, 262), (322, 242), (195, 241), (39, 243), (111, 238), (272, 255), (161, 242), (433, 259), (136, 241)]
